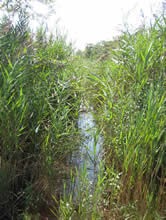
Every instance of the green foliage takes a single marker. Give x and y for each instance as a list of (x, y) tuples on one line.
[(38, 113), (130, 93), (41, 87), (100, 51)]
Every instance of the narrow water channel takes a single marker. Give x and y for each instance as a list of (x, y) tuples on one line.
[(88, 157)]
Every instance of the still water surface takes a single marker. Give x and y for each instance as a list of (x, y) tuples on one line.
[(88, 157)]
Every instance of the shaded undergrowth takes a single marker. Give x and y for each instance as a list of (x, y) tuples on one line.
[(39, 109)]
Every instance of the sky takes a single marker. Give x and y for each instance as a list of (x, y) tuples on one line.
[(91, 21)]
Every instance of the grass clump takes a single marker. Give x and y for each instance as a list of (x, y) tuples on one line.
[(130, 94), (39, 106)]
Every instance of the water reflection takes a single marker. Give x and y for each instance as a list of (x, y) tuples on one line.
[(87, 159)]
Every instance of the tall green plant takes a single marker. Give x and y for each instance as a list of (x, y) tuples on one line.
[(131, 95), (37, 116)]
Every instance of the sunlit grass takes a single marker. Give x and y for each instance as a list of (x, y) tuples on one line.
[(43, 84), (39, 106), (130, 92)]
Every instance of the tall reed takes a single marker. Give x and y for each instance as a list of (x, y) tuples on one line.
[(130, 94), (39, 106)]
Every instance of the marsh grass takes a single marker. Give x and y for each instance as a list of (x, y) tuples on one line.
[(127, 91), (42, 85), (39, 106), (85, 201), (130, 94)]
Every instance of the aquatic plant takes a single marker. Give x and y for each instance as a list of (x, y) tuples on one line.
[(39, 106), (130, 95)]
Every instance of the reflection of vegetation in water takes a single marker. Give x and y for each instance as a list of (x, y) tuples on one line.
[(41, 88)]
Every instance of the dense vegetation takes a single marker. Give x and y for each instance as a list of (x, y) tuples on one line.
[(42, 84), (39, 108), (130, 92)]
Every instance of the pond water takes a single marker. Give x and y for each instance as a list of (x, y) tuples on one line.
[(88, 157)]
